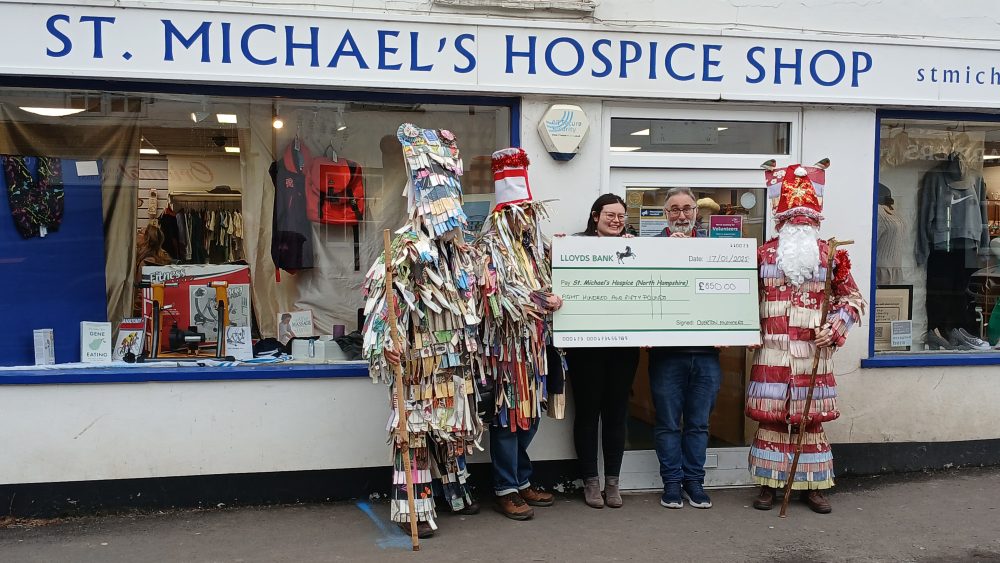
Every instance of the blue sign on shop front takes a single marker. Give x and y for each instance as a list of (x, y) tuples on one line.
[(485, 56)]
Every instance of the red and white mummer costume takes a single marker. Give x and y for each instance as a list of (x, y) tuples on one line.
[(790, 319)]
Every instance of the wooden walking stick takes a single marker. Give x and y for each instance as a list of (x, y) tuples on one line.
[(824, 309), (402, 432)]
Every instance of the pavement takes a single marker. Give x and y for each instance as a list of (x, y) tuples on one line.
[(951, 516)]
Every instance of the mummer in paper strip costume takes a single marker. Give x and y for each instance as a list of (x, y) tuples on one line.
[(436, 279), (793, 270), (515, 307)]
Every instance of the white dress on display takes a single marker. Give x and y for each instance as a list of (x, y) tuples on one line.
[(888, 247)]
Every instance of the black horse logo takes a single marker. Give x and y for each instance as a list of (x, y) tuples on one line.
[(627, 254)]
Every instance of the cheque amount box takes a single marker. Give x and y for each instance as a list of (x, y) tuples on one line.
[(655, 292)]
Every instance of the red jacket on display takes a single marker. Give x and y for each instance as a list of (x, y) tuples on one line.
[(335, 192)]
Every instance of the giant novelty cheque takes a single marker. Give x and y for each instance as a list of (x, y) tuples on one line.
[(655, 292)]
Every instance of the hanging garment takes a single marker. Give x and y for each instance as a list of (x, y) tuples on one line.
[(335, 195), (182, 236), (335, 192), (170, 227), (948, 302), (889, 246), (291, 241), (36, 200), (952, 213)]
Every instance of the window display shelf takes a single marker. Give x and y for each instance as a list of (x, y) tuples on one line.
[(930, 360), (35, 376)]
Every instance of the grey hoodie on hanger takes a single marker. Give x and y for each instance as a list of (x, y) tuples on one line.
[(952, 214)]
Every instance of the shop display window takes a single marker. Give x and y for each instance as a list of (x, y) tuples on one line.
[(937, 247), (144, 227)]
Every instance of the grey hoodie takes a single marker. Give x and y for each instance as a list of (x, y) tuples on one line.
[(950, 217)]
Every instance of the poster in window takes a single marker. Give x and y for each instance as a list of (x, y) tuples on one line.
[(189, 296), (295, 324), (893, 318)]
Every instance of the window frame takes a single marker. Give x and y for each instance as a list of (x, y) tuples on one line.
[(718, 161), (893, 360), (32, 375)]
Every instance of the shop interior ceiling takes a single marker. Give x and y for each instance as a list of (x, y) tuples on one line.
[(912, 128), (194, 141), (166, 119)]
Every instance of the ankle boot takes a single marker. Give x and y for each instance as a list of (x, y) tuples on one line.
[(612, 496), (764, 500), (592, 492)]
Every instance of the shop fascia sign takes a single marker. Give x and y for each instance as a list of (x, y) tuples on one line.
[(483, 56)]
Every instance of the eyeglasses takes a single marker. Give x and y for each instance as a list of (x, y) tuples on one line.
[(687, 210), (612, 216)]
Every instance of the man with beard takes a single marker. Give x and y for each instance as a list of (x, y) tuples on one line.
[(793, 270), (683, 382)]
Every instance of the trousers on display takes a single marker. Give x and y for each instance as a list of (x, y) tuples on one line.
[(948, 303)]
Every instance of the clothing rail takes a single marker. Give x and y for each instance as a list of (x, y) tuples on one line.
[(204, 200)]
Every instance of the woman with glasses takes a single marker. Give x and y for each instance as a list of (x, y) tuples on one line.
[(601, 380)]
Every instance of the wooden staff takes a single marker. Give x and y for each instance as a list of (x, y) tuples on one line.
[(402, 432), (824, 309)]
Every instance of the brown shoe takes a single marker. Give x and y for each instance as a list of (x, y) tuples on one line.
[(424, 529), (817, 501), (534, 497), (513, 506), (592, 492), (765, 500)]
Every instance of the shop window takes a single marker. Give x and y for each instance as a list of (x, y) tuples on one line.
[(937, 249), (197, 219), (699, 136)]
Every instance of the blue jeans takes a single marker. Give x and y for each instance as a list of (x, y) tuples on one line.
[(509, 452), (684, 386)]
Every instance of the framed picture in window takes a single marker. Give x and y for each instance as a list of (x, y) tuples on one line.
[(893, 318)]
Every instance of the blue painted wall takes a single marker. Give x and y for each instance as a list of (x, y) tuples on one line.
[(53, 282)]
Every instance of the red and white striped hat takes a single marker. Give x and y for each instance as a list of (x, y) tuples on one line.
[(510, 177)]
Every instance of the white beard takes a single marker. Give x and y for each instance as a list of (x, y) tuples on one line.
[(684, 229), (798, 252)]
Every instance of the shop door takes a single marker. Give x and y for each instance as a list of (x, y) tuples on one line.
[(736, 192)]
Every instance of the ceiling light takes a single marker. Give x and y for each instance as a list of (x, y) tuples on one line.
[(277, 122), (625, 149), (338, 120), (226, 117), (233, 149), (991, 157), (643, 132), (721, 128), (199, 116), (146, 150), (51, 112)]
